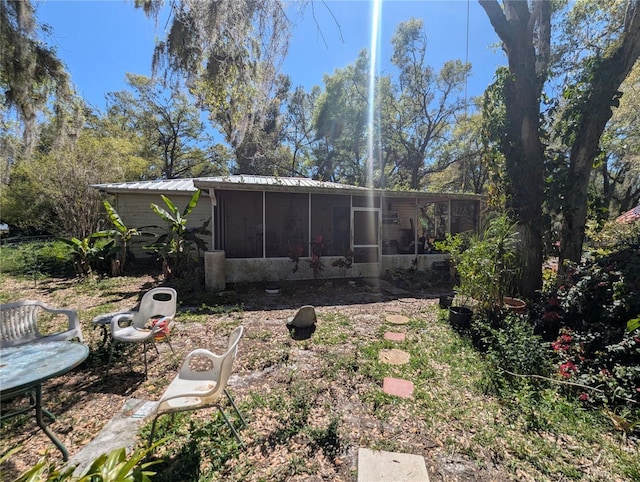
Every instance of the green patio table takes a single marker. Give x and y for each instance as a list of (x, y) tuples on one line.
[(24, 368)]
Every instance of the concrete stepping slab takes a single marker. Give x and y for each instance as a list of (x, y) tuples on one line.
[(393, 357), (393, 336), (120, 431), (380, 466), (398, 387), (397, 319)]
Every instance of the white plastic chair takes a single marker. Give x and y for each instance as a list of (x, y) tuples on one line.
[(19, 323), (157, 303), (201, 386)]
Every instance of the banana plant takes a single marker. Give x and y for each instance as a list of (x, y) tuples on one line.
[(83, 254), (175, 246), (122, 236)]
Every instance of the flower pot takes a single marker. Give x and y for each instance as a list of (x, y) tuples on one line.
[(516, 305), (460, 316)]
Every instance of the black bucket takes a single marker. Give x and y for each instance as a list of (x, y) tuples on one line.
[(460, 317)]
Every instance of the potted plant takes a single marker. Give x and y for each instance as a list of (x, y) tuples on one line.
[(487, 265)]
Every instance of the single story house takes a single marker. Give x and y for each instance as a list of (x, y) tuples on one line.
[(259, 223)]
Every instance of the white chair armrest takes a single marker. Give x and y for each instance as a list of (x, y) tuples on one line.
[(74, 321), (160, 324), (115, 321)]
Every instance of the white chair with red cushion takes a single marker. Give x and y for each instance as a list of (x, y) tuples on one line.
[(152, 320)]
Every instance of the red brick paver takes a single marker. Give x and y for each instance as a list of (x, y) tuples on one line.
[(393, 336), (398, 387)]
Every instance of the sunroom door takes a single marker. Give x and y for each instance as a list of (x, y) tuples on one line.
[(366, 235)]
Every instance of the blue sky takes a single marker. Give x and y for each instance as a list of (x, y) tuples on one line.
[(100, 41)]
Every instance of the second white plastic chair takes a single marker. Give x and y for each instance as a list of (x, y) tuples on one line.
[(202, 386)]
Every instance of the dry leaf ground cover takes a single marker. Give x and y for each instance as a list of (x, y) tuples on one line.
[(310, 403)]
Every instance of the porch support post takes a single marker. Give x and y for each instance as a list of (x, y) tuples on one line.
[(214, 203), (215, 278)]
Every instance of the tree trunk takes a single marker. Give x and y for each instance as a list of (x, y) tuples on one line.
[(522, 147), (605, 81)]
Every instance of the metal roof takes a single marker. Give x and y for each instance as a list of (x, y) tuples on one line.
[(264, 183), (270, 183), (160, 185)]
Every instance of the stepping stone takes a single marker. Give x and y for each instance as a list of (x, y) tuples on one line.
[(393, 309), (393, 357), (120, 431), (398, 387), (390, 335), (379, 466), (397, 319)]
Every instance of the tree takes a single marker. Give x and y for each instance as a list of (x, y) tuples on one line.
[(340, 124), (51, 193), (525, 36), (465, 155), (617, 176), (229, 51), (299, 135), (169, 125), (591, 89), (609, 58), (30, 71), (258, 150), (424, 104)]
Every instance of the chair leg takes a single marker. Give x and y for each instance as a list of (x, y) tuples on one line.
[(169, 342), (230, 398), (233, 430), (113, 343), (145, 359), (153, 431)]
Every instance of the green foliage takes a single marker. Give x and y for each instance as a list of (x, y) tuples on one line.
[(36, 259), (122, 237), (115, 466), (175, 247), (612, 370), (613, 236), (168, 126), (421, 111), (87, 254), (488, 266), (57, 184), (512, 346), (592, 321)]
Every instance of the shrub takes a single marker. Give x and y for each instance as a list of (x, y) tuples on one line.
[(611, 368), (36, 258), (511, 347), (591, 321)]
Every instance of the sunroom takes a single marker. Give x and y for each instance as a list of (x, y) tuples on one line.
[(267, 229), (261, 225)]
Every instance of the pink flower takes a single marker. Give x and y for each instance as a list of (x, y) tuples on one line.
[(567, 368), (584, 397)]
